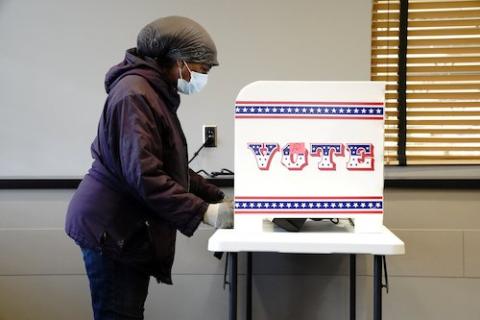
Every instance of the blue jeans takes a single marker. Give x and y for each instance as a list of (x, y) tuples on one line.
[(118, 291)]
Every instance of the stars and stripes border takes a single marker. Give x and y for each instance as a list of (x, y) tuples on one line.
[(309, 110), (309, 205)]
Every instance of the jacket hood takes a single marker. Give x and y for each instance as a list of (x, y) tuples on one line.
[(148, 69)]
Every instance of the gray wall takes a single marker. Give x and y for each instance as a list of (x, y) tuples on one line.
[(42, 276), (54, 54)]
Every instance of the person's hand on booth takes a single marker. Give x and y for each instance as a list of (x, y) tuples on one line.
[(220, 215)]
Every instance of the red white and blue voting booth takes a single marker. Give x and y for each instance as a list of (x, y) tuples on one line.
[(309, 150)]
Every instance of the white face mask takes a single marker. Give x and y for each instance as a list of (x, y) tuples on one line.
[(197, 81)]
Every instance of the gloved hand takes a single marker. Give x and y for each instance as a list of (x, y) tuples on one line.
[(220, 215)]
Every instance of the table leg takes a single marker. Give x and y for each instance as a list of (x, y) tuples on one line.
[(233, 286), (249, 285), (353, 285), (377, 288)]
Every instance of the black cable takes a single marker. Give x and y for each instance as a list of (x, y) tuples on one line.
[(227, 171), (223, 172), (213, 174), (198, 151), (205, 172)]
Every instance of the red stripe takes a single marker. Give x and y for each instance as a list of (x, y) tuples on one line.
[(305, 212), (297, 198), (313, 103), (308, 117)]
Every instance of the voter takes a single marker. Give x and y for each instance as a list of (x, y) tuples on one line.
[(139, 191)]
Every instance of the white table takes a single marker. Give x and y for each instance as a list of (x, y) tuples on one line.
[(315, 238)]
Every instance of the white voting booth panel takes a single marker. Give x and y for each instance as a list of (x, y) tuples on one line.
[(309, 150)]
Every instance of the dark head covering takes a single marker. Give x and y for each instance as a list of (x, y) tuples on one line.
[(177, 38)]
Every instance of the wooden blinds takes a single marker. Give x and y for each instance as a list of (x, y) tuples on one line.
[(434, 118)]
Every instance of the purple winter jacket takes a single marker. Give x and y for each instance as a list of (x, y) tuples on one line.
[(139, 190)]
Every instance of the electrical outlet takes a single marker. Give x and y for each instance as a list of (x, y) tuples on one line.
[(210, 135)]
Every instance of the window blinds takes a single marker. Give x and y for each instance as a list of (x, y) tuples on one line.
[(442, 79)]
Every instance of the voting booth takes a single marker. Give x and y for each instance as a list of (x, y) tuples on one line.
[(309, 149)]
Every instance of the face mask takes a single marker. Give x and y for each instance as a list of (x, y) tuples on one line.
[(197, 82)]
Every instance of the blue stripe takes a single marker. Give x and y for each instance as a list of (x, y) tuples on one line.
[(309, 205), (310, 110)]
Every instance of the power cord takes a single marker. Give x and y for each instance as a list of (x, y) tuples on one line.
[(213, 174), (204, 172), (222, 172), (199, 149)]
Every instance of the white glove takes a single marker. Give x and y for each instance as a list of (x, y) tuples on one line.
[(220, 215)]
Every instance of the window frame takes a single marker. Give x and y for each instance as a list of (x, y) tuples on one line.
[(418, 172)]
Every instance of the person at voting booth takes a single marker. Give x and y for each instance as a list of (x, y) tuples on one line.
[(139, 190)]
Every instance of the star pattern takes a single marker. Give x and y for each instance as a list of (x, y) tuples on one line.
[(355, 148), (339, 205), (292, 110)]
